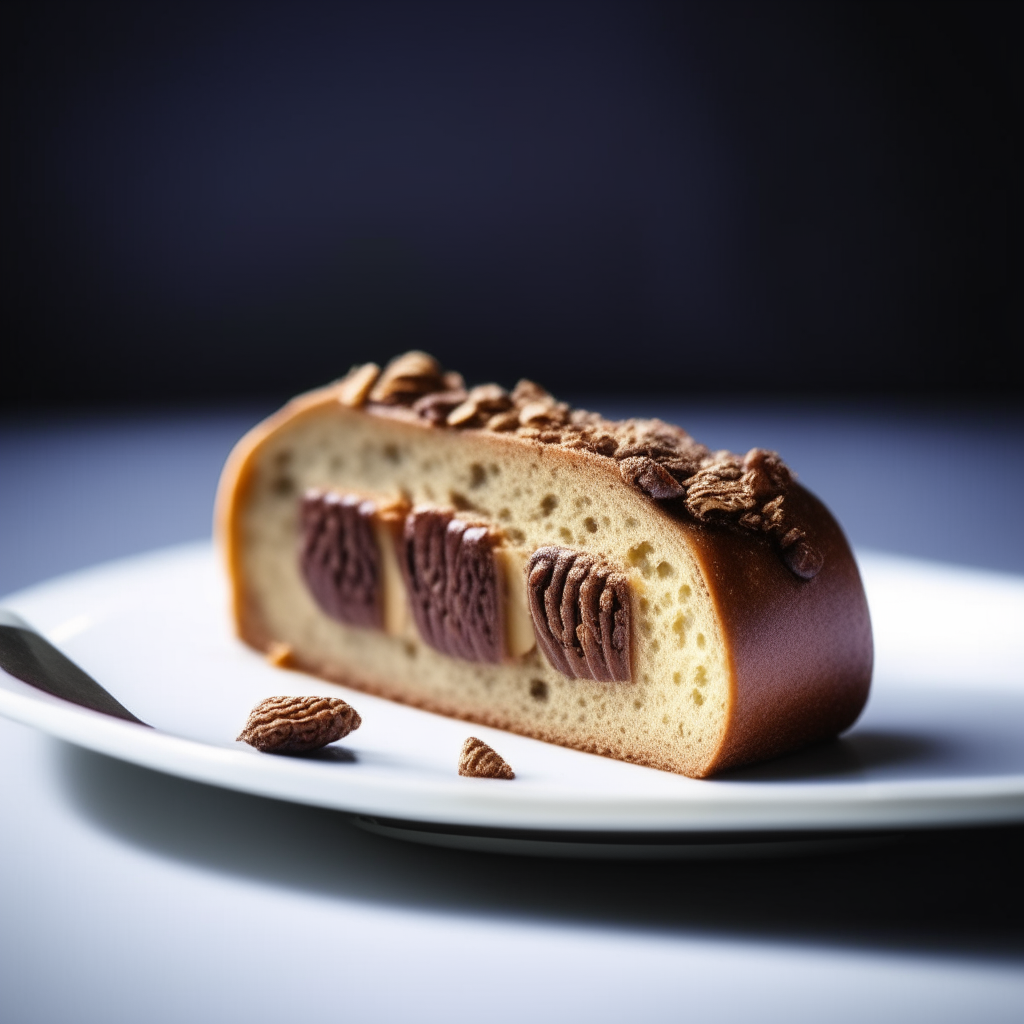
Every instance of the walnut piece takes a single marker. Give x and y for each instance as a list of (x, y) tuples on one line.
[(298, 725), (581, 614), (480, 761), (648, 476), (408, 378), (435, 407), (480, 405), (356, 385)]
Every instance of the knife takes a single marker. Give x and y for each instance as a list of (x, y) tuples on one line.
[(30, 657)]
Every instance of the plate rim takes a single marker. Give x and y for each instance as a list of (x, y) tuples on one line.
[(733, 806)]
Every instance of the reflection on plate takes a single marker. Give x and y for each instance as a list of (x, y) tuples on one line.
[(941, 742)]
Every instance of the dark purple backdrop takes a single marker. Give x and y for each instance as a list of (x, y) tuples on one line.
[(214, 200)]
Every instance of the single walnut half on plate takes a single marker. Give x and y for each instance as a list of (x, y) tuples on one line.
[(497, 556), (298, 725)]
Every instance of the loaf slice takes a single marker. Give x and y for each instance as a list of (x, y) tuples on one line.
[(498, 557)]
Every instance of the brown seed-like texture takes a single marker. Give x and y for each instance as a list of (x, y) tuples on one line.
[(339, 557), (298, 725), (581, 614), (453, 585), (480, 761)]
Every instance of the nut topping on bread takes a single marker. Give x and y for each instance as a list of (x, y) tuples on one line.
[(407, 378), (497, 556), (658, 459)]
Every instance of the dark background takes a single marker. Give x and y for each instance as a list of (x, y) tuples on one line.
[(225, 201)]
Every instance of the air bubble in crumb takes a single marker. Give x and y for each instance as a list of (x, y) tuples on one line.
[(590, 524), (639, 553), (565, 534), (679, 628), (698, 697), (548, 504), (700, 639), (664, 569)]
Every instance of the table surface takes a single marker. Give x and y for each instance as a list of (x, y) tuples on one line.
[(127, 895)]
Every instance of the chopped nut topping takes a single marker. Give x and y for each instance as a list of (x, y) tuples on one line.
[(339, 557), (526, 391), (353, 389), (646, 475), (298, 725), (657, 458), (726, 483), (481, 403), (581, 614), (437, 406), (480, 761), (452, 581), (408, 378), (535, 412), (501, 421)]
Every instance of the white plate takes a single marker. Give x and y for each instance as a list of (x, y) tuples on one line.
[(941, 742)]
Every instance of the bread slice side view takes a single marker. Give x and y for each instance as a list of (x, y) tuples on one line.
[(488, 570)]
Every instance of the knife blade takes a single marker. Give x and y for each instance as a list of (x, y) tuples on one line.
[(30, 657)]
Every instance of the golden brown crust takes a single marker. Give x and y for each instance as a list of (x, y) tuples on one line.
[(800, 649)]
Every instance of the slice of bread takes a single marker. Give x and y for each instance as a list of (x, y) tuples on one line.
[(498, 557)]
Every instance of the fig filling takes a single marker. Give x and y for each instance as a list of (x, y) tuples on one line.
[(452, 581), (453, 585), (340, 559), (581, 614)]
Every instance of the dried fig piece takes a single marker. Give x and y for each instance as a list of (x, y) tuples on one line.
[(479, 760), (453, 585), (581, 614), (339, 557), (298, 725)]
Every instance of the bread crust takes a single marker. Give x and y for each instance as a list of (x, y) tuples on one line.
[(799, 650)]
